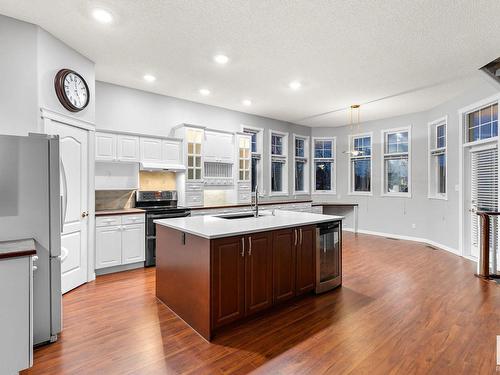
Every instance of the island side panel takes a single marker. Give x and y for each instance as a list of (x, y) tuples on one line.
[(183, 277)]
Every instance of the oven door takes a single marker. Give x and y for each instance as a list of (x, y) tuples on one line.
[(150, 217), (328, 256)]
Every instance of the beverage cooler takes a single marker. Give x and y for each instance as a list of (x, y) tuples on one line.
[(328, 256)]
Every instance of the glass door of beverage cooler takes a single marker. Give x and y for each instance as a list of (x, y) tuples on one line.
[(328, 256)]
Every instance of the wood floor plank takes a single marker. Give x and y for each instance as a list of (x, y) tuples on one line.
[(404, 308)]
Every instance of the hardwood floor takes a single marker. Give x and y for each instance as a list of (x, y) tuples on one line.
[(404, 308)]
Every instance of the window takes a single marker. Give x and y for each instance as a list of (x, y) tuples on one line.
[(360, 159), (256, 146), (301, 170), (437, 159), (482, 123), (396, 162), (324, 165), (279, 169)]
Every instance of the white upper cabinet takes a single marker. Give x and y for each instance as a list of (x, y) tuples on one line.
[(127, 148), (218, 147), (171, 151), (105, 146), (151, 150)]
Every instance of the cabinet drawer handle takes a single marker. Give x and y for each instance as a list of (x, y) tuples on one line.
[(300, 235), (295, 239), (249, 245), (242, 246)]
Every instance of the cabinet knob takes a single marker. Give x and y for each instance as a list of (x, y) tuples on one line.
[(84, 214)]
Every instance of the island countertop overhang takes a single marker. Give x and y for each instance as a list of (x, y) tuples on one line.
[(212, 227)]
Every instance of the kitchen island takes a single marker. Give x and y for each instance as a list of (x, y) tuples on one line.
[(216, 270)]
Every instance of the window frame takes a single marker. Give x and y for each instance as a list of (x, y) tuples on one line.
[(385, 155), (333, 181), (284, 158), (433, 151), (351, 158), (465, 112), (306, 160), (258, 155)]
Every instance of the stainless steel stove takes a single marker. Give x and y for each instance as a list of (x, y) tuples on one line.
[(158, 205)]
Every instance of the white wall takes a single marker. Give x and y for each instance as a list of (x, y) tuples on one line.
[(18, 77), (124, 109), (436, 220), (30, 60), (54, 55)]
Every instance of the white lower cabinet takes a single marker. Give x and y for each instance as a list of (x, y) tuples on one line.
[(120, 240), (132, 243), (108, 246), (16, 314)]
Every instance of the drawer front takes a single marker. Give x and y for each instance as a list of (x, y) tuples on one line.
[(194, 187), (244, 187), (106, 221), (194, 199), (133, 219)]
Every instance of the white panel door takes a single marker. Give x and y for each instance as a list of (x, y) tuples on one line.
[(484, 194), (127, 148), (172, 152), (151, 150), (74, 191), (105, 146), (133, 243), (108, 249), (226, 148)]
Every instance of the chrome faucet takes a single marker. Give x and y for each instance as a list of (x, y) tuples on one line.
[(256, 201)]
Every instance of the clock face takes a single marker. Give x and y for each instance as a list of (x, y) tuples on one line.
[(72, 90), (75, 90)]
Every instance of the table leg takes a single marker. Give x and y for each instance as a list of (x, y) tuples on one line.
[(355, 219)]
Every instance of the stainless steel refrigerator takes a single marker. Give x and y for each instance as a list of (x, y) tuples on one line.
[(30, 208)]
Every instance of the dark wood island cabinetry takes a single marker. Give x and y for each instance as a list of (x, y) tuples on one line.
[(211, 283)]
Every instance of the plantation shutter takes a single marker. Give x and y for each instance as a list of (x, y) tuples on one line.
[(484, 192)]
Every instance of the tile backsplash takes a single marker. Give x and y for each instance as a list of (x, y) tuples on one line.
[(114, 199), (158, 180)]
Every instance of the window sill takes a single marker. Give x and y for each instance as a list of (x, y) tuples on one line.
[(437, 197), (396, 195), (333, 192)]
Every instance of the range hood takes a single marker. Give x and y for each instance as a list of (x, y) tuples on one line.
[(149, 166)]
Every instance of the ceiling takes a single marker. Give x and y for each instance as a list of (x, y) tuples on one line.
[(415, 54)]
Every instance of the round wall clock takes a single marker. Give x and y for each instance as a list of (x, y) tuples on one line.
[(72, 90)]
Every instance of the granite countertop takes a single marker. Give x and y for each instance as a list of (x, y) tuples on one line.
[(249, 204), (17, 248), (121, 211), (211, 226)]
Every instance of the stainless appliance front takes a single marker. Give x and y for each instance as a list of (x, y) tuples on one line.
[(328, 256)]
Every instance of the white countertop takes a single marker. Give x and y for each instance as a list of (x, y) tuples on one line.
[(211, 226)]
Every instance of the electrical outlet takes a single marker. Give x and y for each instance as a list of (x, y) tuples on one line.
[(414, 226)]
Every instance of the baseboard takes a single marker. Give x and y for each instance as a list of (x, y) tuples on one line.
[(124, 267), (407, 238)]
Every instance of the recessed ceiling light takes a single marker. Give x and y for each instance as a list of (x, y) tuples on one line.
[(247, 102), (295, 85), (205, 92), (102, 15), (149, 78), (221, 59)]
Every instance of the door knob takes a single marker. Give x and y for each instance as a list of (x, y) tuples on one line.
[(84, 214)]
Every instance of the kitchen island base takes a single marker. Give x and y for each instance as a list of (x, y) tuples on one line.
[(212, 283)]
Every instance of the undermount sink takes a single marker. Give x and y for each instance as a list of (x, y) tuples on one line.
[(238, 215)]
